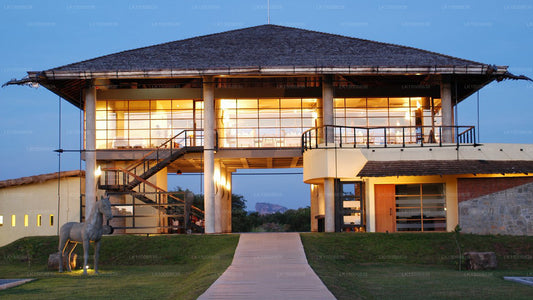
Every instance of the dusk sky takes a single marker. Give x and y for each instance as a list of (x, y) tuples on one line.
[(39, 35)]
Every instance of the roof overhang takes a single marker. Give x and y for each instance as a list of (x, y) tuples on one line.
[(275, 70), (445, 167), (70, 84)]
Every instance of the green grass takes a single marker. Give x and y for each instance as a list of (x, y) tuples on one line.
[(134, 267), (416, 266)]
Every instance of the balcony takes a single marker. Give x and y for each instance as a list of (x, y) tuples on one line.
[(331, 136)]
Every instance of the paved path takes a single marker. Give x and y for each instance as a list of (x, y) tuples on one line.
[(268, 266), (9, 283)]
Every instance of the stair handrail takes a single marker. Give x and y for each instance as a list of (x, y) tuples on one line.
[(151, 185), (163, 145)]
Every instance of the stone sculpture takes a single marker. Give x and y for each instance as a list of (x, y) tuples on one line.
[(91, 230)]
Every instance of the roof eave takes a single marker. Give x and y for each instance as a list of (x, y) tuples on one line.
[(281, 70)]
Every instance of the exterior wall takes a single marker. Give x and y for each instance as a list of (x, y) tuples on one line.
[(470, 188), (508, 211), (332, 163), (38, 199)]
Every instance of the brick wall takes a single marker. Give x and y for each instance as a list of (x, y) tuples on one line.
[(470, 188), (507, 211)]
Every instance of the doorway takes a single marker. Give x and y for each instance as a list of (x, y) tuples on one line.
[(349, 206), (385, 207)]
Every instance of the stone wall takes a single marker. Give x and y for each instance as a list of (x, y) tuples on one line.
[(504, 212)]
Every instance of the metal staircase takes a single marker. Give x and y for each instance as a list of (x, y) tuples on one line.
[(132, 181)]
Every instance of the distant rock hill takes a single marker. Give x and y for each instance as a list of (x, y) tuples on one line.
[(269, 208)]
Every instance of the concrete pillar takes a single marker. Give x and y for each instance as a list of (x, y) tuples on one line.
[(327, 108), (219, 195), (314, 207), (447, 112), (226, 208), (209, 153), (329, 201), (90, 147)]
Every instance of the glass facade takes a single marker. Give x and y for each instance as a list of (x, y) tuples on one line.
[(144, 123), (264, 123), (415, 118), (420, 207), (261, 122)]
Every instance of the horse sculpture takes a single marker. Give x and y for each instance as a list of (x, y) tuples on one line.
[(85, 232)]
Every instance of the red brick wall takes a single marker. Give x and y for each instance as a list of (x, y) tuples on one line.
[(470, 188)]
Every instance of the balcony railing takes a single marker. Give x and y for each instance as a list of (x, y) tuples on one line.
[(391, 136)]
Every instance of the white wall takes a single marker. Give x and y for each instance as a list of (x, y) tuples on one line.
[(36, 199)]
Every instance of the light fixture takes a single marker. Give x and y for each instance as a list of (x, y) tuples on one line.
[(98, 171), (178, 172)]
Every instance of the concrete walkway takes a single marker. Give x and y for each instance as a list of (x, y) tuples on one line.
[(268, 266)]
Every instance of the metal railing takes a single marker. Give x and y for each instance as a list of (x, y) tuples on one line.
[(134, 216), (390, 136), (184, 139)]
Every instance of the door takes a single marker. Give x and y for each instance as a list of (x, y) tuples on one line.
[(384, 195)]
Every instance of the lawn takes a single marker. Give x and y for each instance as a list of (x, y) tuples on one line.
[(131, 267), (417, 266)]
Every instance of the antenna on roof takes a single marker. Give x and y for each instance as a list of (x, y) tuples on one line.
[(268, 11)]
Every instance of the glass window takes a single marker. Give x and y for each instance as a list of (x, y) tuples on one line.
[(39, 220), (13, 220), (291, 103), (420, 207), (269, 104), (51, 220), (1, 220), (356, 102), (339, 103), (26, 220), (247, 103)]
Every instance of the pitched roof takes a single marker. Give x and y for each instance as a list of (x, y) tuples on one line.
[(40, 178), (444, 167), (265, 46)]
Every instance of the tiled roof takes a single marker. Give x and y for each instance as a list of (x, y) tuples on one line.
[(444, 167), (265, 46), (40, 178)]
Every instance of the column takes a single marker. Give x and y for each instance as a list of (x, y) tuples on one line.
[(90, 147), (226, 208), (314, 207), (329, 199), (209, 153), (219, 195), (327, 108), (447, 112)]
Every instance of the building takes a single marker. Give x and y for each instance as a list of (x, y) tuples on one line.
[(48, 210), (372, 124)]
